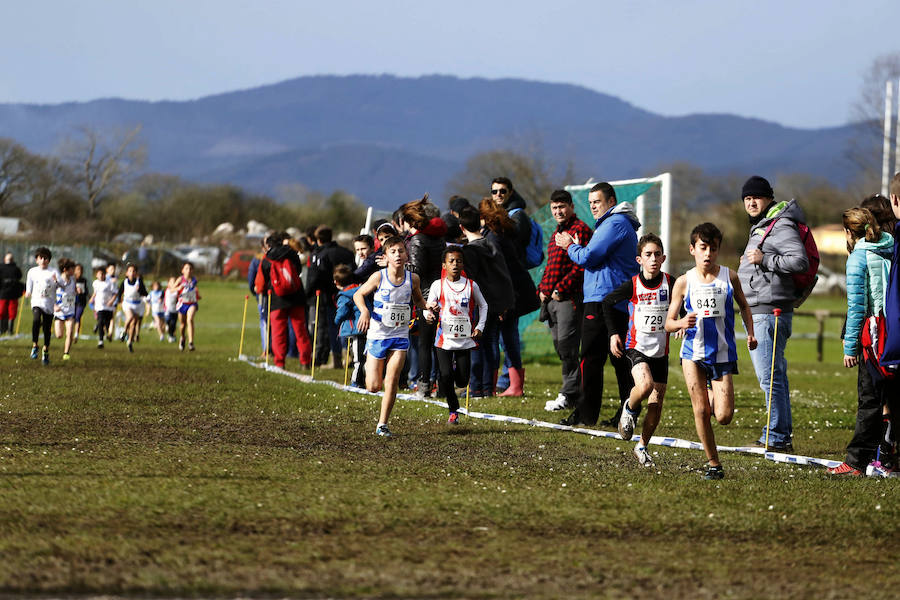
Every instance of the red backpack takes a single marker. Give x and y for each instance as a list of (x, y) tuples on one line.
[(284, 277), (803, 282)]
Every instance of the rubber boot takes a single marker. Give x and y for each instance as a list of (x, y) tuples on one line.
[(516, 379)]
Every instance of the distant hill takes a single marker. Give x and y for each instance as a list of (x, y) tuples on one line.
[(389, 139)]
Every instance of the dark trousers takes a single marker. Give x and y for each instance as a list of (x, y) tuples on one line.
[(326, 337), (594, 350), (103, 319), (41, 321), (426, 344), (869, 431), (451, 378), (171, 323), (357, 347), (565, 319)]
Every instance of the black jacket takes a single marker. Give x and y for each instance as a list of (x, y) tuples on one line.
[(265, 266), (321, 268), (526, 298), (10, 282), (522, 221), (483, 262)]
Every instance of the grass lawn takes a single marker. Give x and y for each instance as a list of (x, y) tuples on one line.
[(164, 473)]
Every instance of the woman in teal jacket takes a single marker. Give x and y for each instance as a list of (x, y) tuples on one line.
[(868, 267)]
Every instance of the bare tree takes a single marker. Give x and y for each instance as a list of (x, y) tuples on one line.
[(14, 165), (102, 163), (533, 175), (868, 110)]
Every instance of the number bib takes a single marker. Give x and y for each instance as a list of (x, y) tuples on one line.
[(189, 296), (650, 318), (456, 326), (395, 315), (708, 301)]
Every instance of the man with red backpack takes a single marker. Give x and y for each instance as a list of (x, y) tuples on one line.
[(279, 273), (773, 273)]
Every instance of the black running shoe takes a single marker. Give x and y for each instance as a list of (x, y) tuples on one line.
[(716, 472)]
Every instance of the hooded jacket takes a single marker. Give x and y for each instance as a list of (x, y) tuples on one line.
[(425, 248), (264, 282), (347, 314), (526, 298), (867, 283), (522, 221), (891, 355), (484, 263), (11, 286), (609, 257), (769, 284)]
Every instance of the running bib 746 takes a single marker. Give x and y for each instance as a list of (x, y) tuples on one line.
[(456, 326)]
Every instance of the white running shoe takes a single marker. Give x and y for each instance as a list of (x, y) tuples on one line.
[(626, 424), (643, 457), (560, 403)]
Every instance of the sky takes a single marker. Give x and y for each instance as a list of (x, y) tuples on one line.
[(796, 62)]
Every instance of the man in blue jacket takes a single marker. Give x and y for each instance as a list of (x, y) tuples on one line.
[(608, 259), (891, 354)]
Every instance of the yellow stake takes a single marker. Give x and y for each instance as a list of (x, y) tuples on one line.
[(347, 362), (312, 366), (467, 401), (777, 312), (243, 324), (19, 316), (268, 327)]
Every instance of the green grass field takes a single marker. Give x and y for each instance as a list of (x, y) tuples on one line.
[(163, 473)]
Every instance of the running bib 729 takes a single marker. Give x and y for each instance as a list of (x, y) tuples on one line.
[(650, 318)]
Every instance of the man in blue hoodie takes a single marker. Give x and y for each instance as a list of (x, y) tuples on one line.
[(608, 259)]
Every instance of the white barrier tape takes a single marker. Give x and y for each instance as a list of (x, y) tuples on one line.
[(669, 442), (9, 338)]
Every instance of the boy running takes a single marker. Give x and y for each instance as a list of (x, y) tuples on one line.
[(64, 310), (388, 332), (104, 301), (708, 352), (40, 286), (455, 297), (131, 295), (646, 344)]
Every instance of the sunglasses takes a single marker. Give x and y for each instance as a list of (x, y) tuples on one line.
[(499, 192)]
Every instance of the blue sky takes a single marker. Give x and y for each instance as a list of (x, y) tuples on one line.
[(799, 63)]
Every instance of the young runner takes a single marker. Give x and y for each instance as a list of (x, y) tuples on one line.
[(708, 352), (455, 298), (187, 304), (131, 295), (104, 301), (81, 297), (64, 309), (646, 343), (40, 285), (156, 309), (171, 306), (387, 326)]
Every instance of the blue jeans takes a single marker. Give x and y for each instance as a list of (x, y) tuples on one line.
[(781, 425), (486, 358), (512, 348), (263, 325)]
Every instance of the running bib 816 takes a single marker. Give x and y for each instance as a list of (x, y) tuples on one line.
[(395, 315)]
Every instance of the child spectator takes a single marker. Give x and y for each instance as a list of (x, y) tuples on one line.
[(395, 290), (64, 309), (868, 268), (40, 285), (455, 298), (104, 301), (708, 352), (646, 344), (375, 260), (346, 317)]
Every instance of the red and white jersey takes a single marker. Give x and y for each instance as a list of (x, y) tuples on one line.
[(458, 319), (647, 311)]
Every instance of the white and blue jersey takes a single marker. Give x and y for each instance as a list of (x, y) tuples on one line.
[(156, 302), (65, 299), (712, 339), (392, 308)]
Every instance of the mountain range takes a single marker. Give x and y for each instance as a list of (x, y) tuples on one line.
[(389, 139)]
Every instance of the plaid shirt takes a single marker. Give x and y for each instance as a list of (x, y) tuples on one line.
[(561, 273)]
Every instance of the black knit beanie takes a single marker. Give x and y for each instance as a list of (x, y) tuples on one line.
[(758, 187)]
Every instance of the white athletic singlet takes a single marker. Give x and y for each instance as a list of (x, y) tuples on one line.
[(65, 299), (458, 301), (647, 317), (392, 308), (712, 339)]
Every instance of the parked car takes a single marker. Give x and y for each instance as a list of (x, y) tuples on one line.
[(155, 261), (830, 282), (206, 259), (238, 263)]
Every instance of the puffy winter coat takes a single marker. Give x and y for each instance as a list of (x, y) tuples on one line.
[(868, 268), (769, 284), (609, 257)]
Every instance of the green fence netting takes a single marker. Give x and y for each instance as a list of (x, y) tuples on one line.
[(537, 344)]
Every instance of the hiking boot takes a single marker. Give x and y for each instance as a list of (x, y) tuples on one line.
[(643, 456), (714, 472), (844, 469), (626, 424), (383, 431)]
